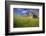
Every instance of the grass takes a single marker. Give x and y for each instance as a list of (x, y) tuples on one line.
[(25, 21)]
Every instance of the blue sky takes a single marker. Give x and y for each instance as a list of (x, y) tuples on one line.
[(23, 11)]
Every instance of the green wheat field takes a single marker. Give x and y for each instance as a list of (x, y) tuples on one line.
[(25, 21)]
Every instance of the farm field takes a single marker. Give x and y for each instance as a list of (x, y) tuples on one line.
[(25, 21)]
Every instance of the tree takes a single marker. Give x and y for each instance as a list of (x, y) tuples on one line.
[(35, 16)]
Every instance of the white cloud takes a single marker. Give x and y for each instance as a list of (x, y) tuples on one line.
[(19, 9), (24, 11)]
